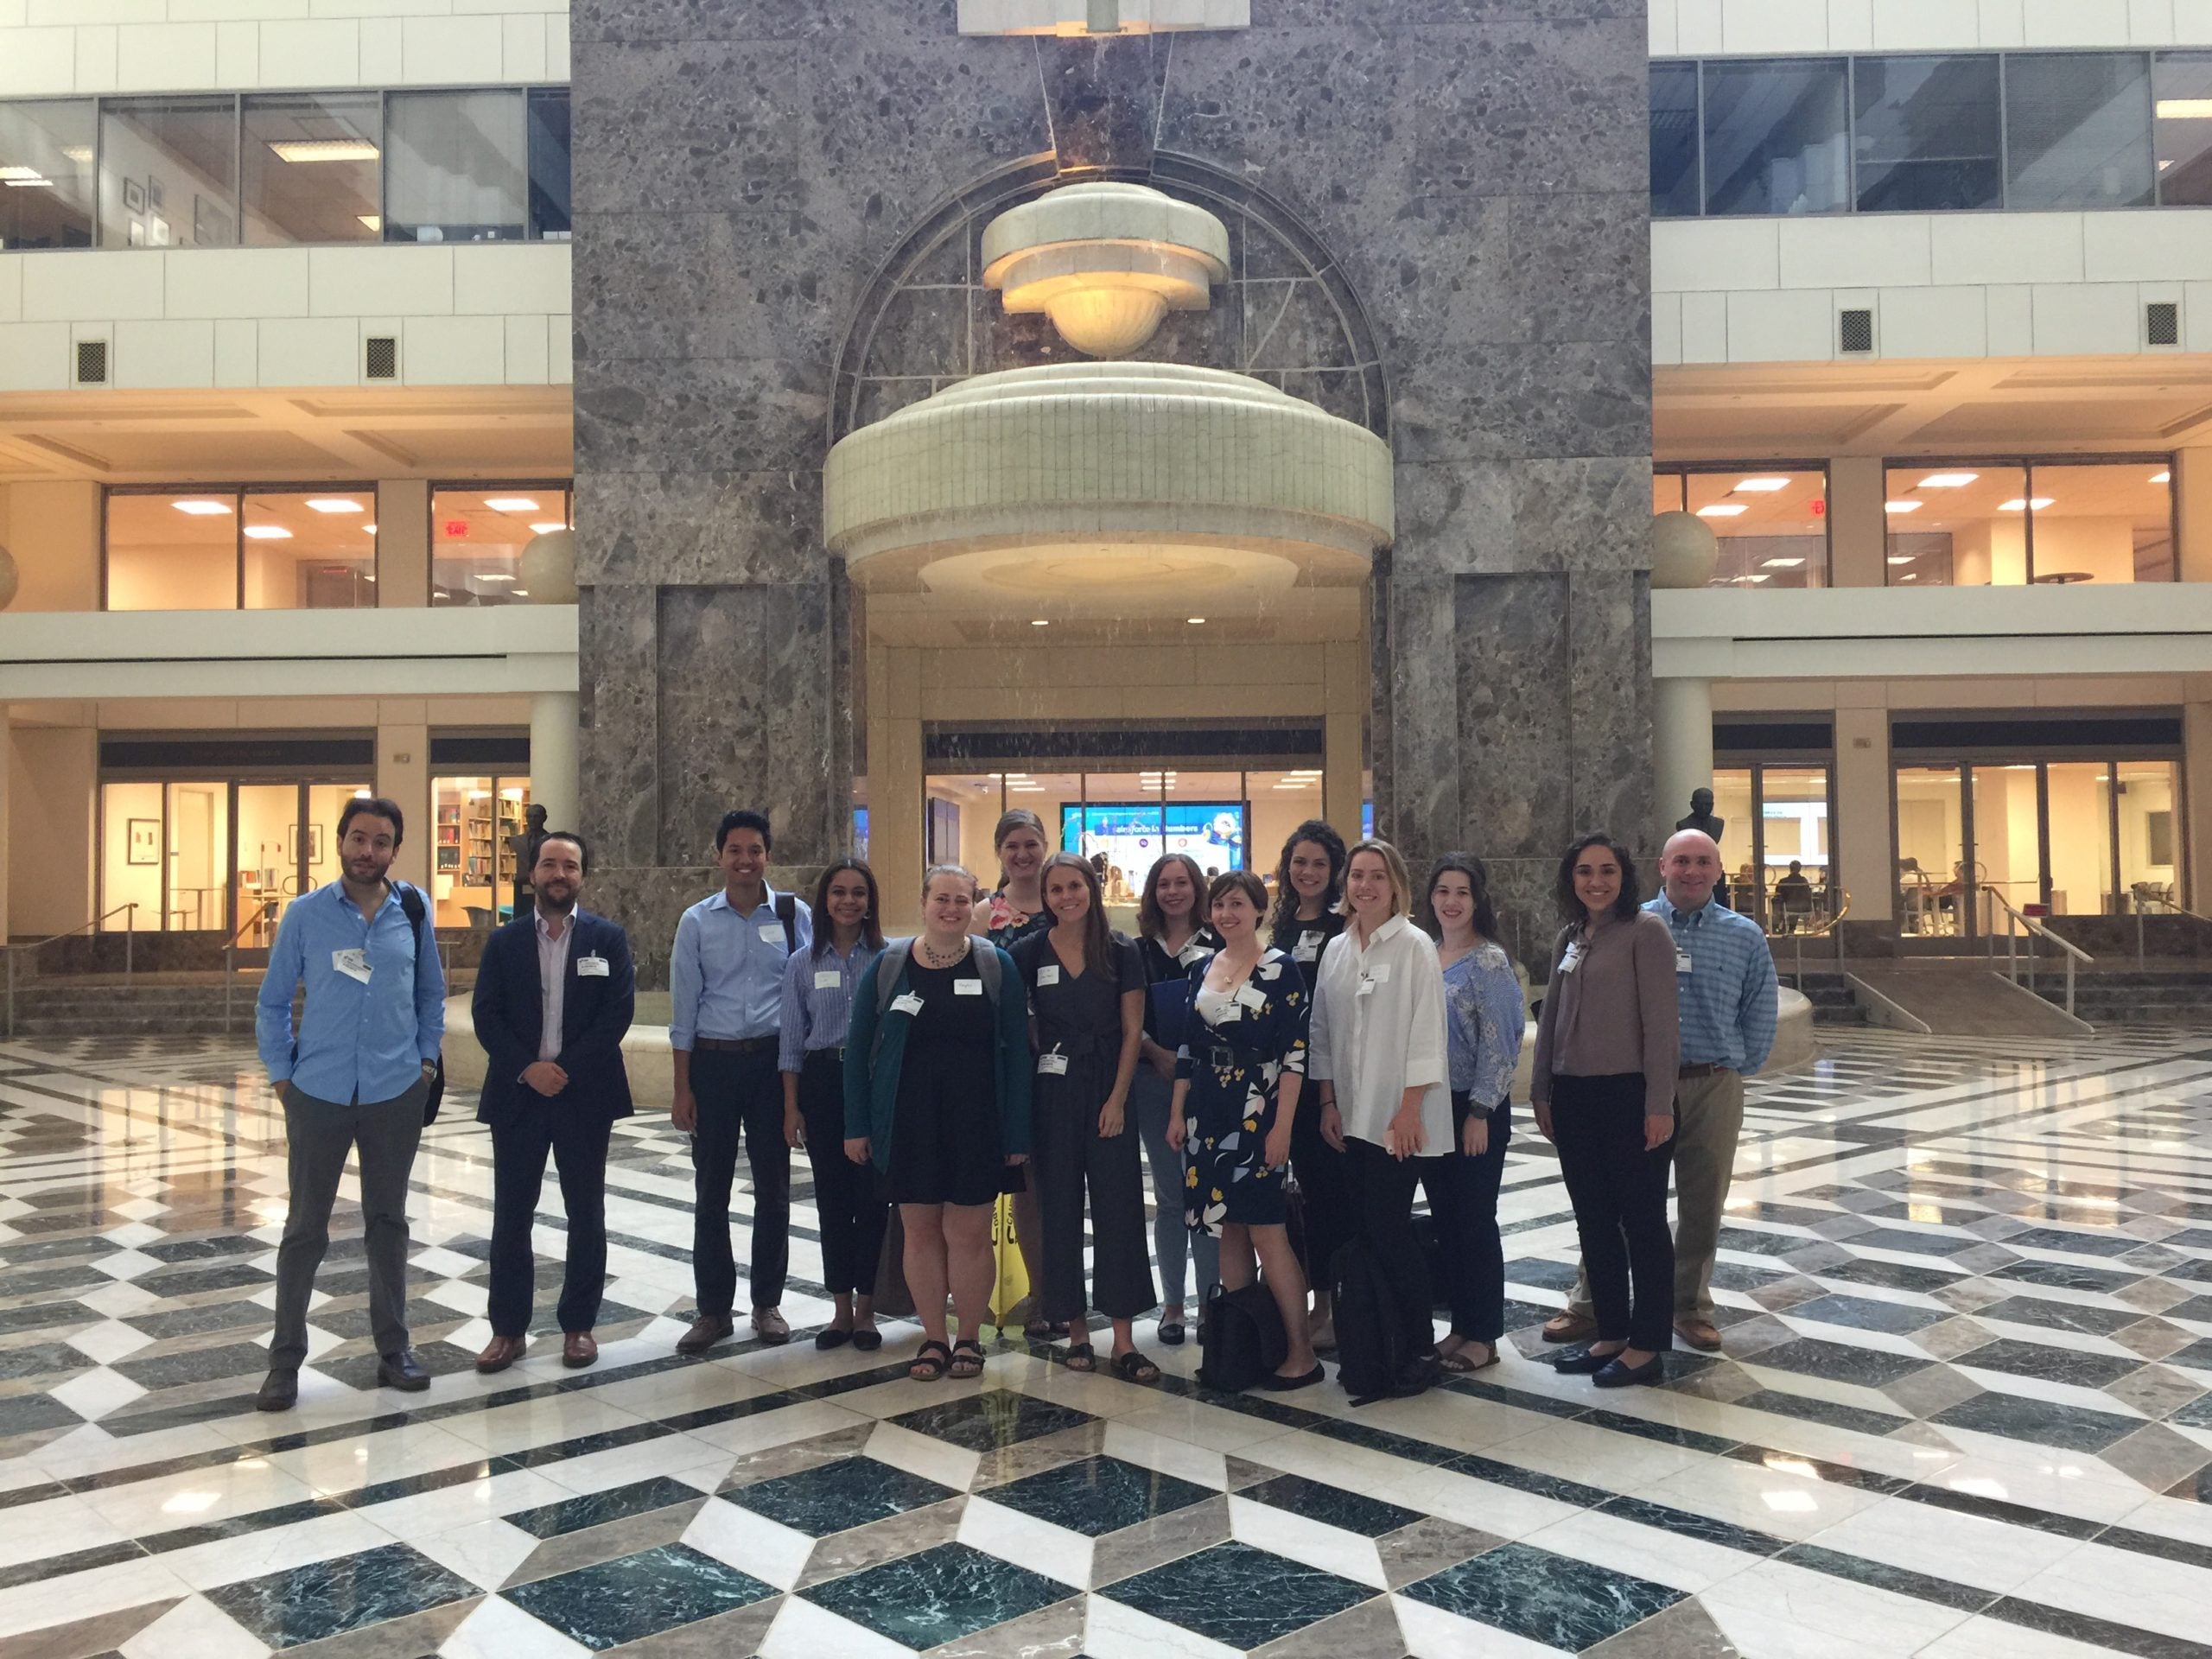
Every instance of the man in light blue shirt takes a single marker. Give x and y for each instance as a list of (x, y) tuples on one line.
[(726, 984), (355, 1074)]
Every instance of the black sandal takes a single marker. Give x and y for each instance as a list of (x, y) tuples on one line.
[(967, 1358), (1133, 1367), (1080, 1357), (927, 1367), (868, 1340), (1045, 1329)]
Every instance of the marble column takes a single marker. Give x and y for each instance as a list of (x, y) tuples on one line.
[(1681, 749), (2196, 810), (553, 746), (1343, 733), (1864, 840)]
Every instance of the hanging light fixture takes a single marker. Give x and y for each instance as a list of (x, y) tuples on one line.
[(1105, 261)]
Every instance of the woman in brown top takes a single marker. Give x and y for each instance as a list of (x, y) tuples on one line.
[(1608, 1050)]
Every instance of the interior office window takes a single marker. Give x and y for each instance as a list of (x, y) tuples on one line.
[(1952, 524), (2182, 132), (1674, 191), (2107, 521), (2150, 872), (168, 172), (1731, 801), (456, 167), (1775, 137), (311, 551), (1928, 133), (46, 174), (1669, 491), (307, 167), (477, 537), (2078, 808), (549, 163), (2078, 130), (171, 550), (1772, 525), (478, 820)]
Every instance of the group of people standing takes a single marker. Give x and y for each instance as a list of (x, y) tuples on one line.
[(1282, 1072)]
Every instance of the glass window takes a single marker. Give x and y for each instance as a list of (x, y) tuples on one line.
[(478, 819), (962, 808), (308, 164), (1772, 525), (549, 163), (2078, 130), (1775, 137), (172, 551), (199, 856), (311, 551), (1669, 493), (2150, 835), (477, 537), (268, 877), (457, 170), (1928, 133), (2182, 133), (1931, 844), (46, 174), (168, 173), (2080, 797), (131, 844), (2110, 522), (1674, 188), (1732, 804), (1957, 525), (2007, 840)]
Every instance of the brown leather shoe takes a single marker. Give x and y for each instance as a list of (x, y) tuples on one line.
[(770, 1326), (1698, 1333), (1569, 1326), (500, 1352), (707, 1330), (579, 1350)]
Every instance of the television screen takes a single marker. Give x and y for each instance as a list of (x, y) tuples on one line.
[(1133, 836)]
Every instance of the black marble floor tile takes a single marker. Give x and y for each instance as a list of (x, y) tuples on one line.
[(327, 1599), (40, 1568), (2066, 1275), (2051, 1315), (995, 1418), (46, 1283), (1937, 1496), (2198, 1355), (2050, 1364), (2042, 1421), (582, 1445), (1742, 1275), (1685, 1523), (1809, 1357), (2196, 1308), (195, 1281), (203, 1249), (1238, 1595), (2113, 1243), (1533, 1481), (149, 1416), (25, 1252), (353, 1322), (359, 1371), (2096, 1632), (1867, 1313), (243, 1314), (22, 1413), (637, 1596), (1544, 1276), (1331, 1506), (196, 1365), (43, 1359), (1097, 1496), (44, 1316), (1909, 1241), (838, 1496), (596, 1509), (1811, 1410), (1899, 1580), (1891, 1275), (940, 1595), (1554, 1599), (1644, 1428)]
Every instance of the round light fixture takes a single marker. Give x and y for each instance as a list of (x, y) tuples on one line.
[(1105, 261)]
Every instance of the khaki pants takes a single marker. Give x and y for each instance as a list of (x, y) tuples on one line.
[(1708, 1120)]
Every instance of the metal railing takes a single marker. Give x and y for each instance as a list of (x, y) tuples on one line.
[(32, 947), (264, 911), (1828, 926), (2015, 922), (2139, 896)]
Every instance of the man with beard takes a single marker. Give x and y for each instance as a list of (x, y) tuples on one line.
[(554, 995), (355, 1074)]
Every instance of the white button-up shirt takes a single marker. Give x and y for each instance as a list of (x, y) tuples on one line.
[(1378, 1030), (552, 980)]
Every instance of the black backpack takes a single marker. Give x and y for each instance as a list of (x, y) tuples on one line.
[(417, 913), (1244, 1339), (1373, 1362)]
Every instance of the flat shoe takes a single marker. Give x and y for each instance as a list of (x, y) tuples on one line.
[(500, 1353), (578, 1350), (1171, 1336), (867, 1341), (1617, 1376), (1569, 1328), (1700, 1334), (1580, 1362), (280, 1391), (830, 1337), (1276, 1384)]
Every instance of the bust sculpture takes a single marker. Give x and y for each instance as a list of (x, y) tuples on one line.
[(523, 843), (1702, 815)]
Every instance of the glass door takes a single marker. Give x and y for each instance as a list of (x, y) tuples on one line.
[(2006, 841), (198, 855), (1931, 804), (267, 877), (2077, 822)]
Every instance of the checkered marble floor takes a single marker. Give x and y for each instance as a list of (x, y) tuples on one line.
[(1965, 1411)]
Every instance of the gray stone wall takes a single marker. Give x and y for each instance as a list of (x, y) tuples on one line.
[(1478, 167)]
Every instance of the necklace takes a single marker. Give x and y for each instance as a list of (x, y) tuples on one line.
[(931, 956)]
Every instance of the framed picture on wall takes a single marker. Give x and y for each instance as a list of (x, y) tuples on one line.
[(134, 196), (144, 841)]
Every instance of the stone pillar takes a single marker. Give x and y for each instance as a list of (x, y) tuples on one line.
[(553, 759), (897, 847), (2193, 502), (1866, 841), (2197, 810), (1859, 530), (402, 542), (403, 775), (7, 793), (1681, 749), (1343, 736)]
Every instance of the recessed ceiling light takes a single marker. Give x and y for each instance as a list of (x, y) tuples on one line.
[(1903, 558), (519, 593), (1782, 564), (495, 575), (1948, 481), (2185, 109), (510, 504), (2018, 504), (25, 179), (323, 149), (1723, 510), (1903, 506), (1909, 577), (334, 504), (548, 527), (1194, 620), (77, 153), (1040, 622), (1758, 576), (1761, 485), (267, 533), (368, 530), (2162, 477), (373, 221), (202, 509)]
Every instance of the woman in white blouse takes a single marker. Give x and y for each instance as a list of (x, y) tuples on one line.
[(1380, 1058)]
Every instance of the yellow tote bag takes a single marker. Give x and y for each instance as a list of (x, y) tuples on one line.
[(1013, 1285)]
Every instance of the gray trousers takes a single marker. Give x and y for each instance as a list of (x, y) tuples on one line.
[(319, 1135), (1151, 1097)]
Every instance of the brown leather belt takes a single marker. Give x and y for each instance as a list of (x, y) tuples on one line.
[(734, 1045), (1702, 1069)]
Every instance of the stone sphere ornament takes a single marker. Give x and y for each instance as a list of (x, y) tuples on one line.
[(548, 567), (8, 580), (1684, 550)]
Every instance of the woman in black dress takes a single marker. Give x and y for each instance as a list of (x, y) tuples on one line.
[(1086, 998), (1172, 934), (1309, 890), (937, 1097)]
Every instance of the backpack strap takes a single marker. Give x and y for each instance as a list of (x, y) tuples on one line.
[(787, 913), (411, 906), (890, 969), (989, 968)]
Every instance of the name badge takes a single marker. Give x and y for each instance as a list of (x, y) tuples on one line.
[(1190, 953), (1307, 948), (1049, 974), (828, 979), (1682, 963), (591, 967), (1233, 1011), (1051, 1065), (909, 1003), (1380, 973), (1572, 959), (354, 964), (771, 932), (1253, 998), (966, 988), (1366, 987)]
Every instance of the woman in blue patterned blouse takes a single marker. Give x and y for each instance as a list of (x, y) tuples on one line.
[(1484, 1014)]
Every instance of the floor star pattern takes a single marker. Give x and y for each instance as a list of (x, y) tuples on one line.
[(1965, 1411)]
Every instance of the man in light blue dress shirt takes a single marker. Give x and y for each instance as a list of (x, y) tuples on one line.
[(355, 1074), (726, 984)]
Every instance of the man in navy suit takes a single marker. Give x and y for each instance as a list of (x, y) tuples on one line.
[(554, 995)]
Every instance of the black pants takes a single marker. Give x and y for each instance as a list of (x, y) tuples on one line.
[(1619, 1193), (577, 1137), (1463, 1198), (739, 1093), (849, 1198), (1383, 1219), (1325, 1206), (1066, 1153)]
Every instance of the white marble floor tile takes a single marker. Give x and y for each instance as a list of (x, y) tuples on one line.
[(1432, 1633), (1685, 1564), (1777, 1609), (1114, 1631), (57, 1526), (803, 1631), (1296, 1538), (345, 1465), (195, 1629), (196, 1497), (2144, 1591), (779, 1428), (1199, 1464), (95, 1392), (483, 1552), (422, 1513), (77, 1596), (925, 1455), (1765, 1499), (1595, 1456), (497, 1629), (770, 1552), (275, 1549), (537, 1422), (1982, 1637), (1008, 1534), (1991, 1555), (619, 1466)]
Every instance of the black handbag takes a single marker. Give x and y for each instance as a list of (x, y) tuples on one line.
[(410, 901)]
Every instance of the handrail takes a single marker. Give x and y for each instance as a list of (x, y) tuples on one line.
[(1827, 929), (70, 933), (2036, 929), (34, 946)]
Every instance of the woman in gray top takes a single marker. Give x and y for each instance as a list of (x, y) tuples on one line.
[(1608, 1051)]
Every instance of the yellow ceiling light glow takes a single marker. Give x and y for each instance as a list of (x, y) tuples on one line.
[(510, 504), (1761, 485), (323, 149), (1105, 261), (1723, 510), (2185, 109)]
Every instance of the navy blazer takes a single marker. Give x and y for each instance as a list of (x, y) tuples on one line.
[(595, 1012)]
